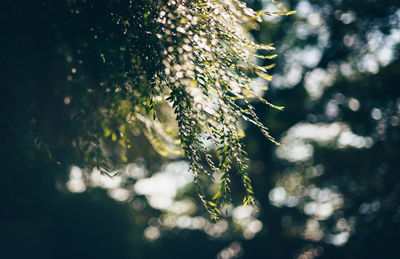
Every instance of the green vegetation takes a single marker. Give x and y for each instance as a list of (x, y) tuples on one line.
[(107, 105), (175, 71)]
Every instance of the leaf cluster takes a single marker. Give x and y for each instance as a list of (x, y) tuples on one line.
[(100, 75)]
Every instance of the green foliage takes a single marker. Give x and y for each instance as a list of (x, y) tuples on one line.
[(178, 72), (72, 93), (205, 78), (207, 58)]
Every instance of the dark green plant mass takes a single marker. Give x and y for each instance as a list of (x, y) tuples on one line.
[(84, 81), (105, 106), (96, 84)]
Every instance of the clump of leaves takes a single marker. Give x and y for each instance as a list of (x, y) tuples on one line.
[(207, 58), (121, 65)]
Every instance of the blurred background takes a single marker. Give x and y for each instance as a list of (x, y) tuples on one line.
[(330, 190)]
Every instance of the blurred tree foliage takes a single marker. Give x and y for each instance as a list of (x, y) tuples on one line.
[(84, 81), (76, 91), (333, 184), (88, 84)]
